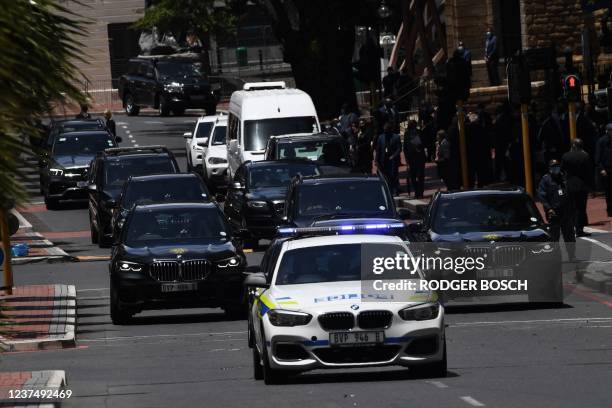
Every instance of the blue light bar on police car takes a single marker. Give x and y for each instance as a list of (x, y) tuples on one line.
[(340, 228)]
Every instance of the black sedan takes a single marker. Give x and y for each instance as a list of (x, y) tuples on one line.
[(503, 226), (174, 256)]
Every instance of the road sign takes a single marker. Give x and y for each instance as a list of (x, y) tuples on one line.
[(519, 81)]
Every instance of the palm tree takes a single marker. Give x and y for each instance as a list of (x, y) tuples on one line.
[(39, 43)]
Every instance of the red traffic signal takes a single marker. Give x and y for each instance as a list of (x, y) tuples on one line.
[(572, 87)]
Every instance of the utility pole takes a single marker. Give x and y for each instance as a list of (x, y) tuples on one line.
[(6, 248)]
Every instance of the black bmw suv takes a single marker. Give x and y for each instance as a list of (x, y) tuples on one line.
[(175, 255), (109, 170), (64, 170), (255, 199), (167, 83)]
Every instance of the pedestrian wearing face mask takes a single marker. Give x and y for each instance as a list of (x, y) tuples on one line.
[(492, 58), (558, 207)]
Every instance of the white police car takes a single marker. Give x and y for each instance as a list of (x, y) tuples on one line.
[(308, 311)]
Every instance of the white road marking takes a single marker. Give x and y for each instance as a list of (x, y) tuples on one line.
[(472, 401), (130, 136), (234, 349), (124, 126), (215, 350), (136, 145), (438, 384), (128, 132), (598, 243), (569, 320), (91, 290), (596, 230), (94, 298), (153, 122), (122, 123), (166, 335)]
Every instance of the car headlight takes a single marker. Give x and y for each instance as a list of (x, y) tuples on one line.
[(216, 160), (279, 317), (56, 172), (542, 249), (257, 204), (426, 311), (229, 263), (126, 266)]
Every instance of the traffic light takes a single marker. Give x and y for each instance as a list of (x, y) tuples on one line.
[(519, 82), (572, 87)]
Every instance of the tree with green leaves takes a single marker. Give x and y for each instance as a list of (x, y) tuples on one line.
[(39, 40)]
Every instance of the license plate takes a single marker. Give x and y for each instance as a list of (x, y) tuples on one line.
[(81, 184), (356, 338), (197, 97), (495, 273), (178, 287)]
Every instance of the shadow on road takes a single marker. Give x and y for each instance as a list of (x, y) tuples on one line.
[(351, 376), (501, 307)]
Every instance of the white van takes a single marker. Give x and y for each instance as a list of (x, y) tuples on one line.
[(261, 110)]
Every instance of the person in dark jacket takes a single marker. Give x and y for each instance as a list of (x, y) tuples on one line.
[(414, 152), (364, 148), (502, 134), (442, 156), (84, 113), (577, 166), (388, 156), (553, 135), (492, 58), (389, 82), (558, 207), (586, 129), (110, 122), (603, 162), (387, 113)]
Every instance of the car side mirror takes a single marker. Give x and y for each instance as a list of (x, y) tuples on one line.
[(118, 139), (92, 187), (256, 280), (112, 203), (187, 135), (403, 213), (416, 227)]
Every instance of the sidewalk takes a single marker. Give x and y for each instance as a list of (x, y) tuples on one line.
[(38, 318), (41, 249)]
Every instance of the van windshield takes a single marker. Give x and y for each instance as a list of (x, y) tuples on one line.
[(257, 132)]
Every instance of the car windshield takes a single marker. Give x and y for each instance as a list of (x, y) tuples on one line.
[(203, 130), (484, 213), (175, 69), (82, 145), (357, 197), (257, 132), (218, 138), (331, 152), (175, 224), (327, 263), (118, 171), (279, 175), (165, 190)]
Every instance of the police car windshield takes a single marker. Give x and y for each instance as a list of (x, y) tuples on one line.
[(218, 138), (175, 225), (329, 151), (279, 175), (118, 171), (86, 145), (484, 213), (345, 197), (257, 132), (163, 191), (328, 263)]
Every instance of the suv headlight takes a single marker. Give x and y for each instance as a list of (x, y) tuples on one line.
[(279, 317), (257, 204), (425, 311), (56, 172), (229, 263), (127, 266), (216, 160)]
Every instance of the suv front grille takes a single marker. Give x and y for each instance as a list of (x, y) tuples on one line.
[(509, 255), (176, 271), (337, 321), (76, 173), (348, 355), (374, 319)]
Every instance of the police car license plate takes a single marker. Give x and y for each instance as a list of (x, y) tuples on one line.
[(82, 184), (178, 287), (495, 273), (362, 338)]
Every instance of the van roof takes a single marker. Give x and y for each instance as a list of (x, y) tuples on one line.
[(271, 103)]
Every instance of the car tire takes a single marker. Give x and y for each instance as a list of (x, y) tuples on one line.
[(119, 315), (131, 109), (437, 369), (270, 375), (258, 373), (94, 232), (211, 109), (163, 108), (51, 203)]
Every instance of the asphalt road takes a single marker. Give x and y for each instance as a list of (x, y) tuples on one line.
[(499, 356)]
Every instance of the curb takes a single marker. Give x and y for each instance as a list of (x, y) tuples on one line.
[(49, 380), (598, 276), (64, 323)]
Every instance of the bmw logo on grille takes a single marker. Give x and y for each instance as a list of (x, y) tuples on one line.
[(355, 307)]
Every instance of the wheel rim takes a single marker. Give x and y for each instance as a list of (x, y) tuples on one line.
[(129, 103)]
